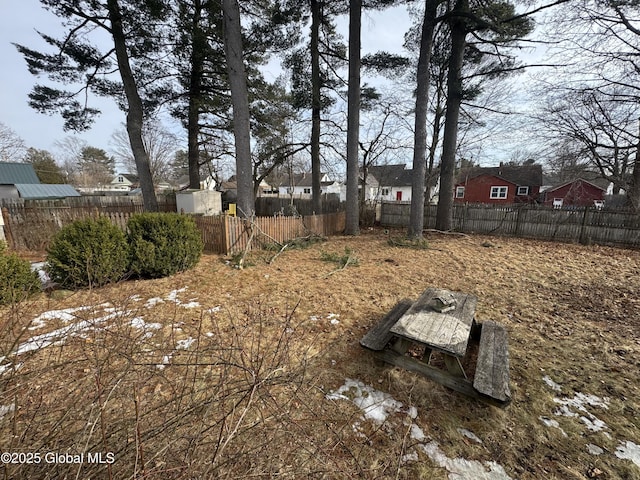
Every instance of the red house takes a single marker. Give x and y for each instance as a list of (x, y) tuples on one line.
[(578, 193), (499, 185)]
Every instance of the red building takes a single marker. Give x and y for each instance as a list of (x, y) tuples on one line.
[(578, 193), (499, 185)]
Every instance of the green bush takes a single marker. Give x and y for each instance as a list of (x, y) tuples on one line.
[(163, 244), (17, 281), (88, 253)]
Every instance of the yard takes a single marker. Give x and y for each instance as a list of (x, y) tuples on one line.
[(257, 373)]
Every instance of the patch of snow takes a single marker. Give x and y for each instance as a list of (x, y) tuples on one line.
[(462, 469), (549, 422), (57, 337), (42, 274), (4, 409), (417, 433), (185, 343), (214, 309), (66, 315), (334, 321), (409, 457), (629, 451), (469, 434), (191, 304), (140, 324), (379, 406), (579, 403), (173, 295), (376, 405), (412, 412), (594, 449), (152, 302), (165, 361), (553, 385), (313, 318), (594, 424)]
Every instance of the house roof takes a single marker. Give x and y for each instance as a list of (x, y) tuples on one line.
[(14, 173), (395, 175), (558, 187), (525, 175), (39, 191)]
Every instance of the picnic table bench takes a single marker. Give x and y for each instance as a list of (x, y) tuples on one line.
[(444, 321)]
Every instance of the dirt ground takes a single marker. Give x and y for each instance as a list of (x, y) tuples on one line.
[(573, 317)]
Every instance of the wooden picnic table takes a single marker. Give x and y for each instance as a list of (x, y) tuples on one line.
[(444, 321), (447, 332)]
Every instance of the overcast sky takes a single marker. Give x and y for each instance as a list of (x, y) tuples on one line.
[(19, 20)]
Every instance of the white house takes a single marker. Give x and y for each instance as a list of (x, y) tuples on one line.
[(387, 183), (123, 182), (299, 185)]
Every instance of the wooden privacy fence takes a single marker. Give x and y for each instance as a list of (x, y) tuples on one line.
[(33, 228), (584, 225), (229, 235)]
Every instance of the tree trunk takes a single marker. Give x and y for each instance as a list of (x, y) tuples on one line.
[(135, 112), (444, 215), (315, 107), (240, 101), (353, 118), (416, 217), (195, 96)]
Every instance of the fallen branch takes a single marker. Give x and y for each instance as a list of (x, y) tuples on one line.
[(445, 232), (248, 247), (346, 264), (284, 247)]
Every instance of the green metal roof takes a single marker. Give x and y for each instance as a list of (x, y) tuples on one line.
[(41, 191), (13, 173)]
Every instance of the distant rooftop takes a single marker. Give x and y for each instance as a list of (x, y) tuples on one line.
[(14, 173)]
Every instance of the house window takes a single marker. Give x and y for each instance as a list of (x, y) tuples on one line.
[(307, 190), (523, 191), (499, 192), (385, 192), (459, 192), (120, 179)]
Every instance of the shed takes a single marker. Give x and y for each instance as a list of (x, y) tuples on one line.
[(39, 191), (19, 180)]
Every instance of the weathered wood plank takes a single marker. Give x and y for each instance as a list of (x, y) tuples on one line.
[(447, 332), (378, 337), (492, 370), (459, 384)]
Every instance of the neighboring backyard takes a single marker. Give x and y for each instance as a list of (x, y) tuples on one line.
[(257, 373)]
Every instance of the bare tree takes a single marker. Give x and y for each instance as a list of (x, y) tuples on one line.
[(160, 144), (12, 147), (598, 43), (602, 128)]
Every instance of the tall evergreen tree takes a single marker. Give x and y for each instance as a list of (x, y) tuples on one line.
[(130, 26), (240, 99), (495, 24)]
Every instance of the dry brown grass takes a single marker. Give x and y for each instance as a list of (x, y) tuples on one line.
[(247, 398)]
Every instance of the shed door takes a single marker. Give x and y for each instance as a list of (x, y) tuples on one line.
[(399, 196)]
